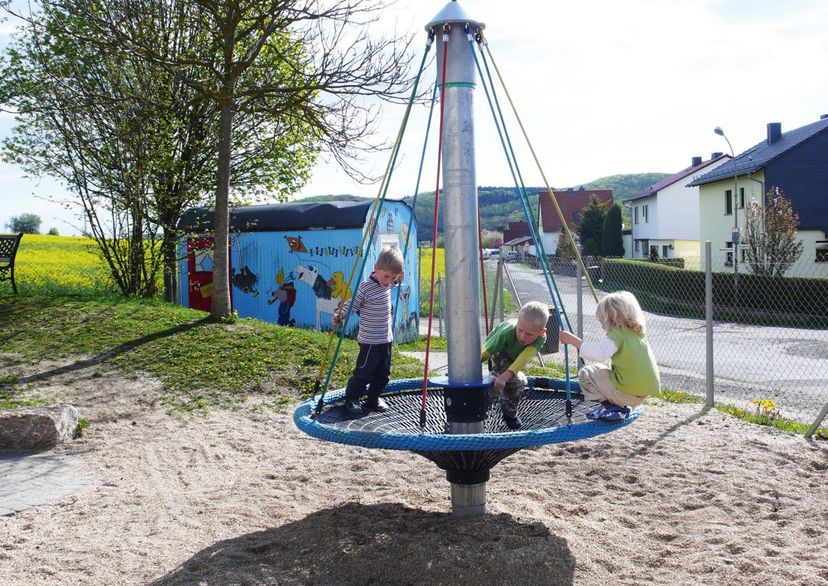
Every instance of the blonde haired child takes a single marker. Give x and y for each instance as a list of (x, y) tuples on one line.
[(372, 303), (510, 346), (633, 374)]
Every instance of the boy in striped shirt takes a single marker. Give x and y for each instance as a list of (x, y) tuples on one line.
[(372, 303)]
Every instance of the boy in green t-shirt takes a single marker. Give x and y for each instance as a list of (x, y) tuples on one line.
[(510, 346)]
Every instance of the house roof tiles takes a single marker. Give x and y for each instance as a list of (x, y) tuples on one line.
[(759, 155), (572, 203), (675, 178)]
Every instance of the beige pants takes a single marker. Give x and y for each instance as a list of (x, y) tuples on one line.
[(596, 385)]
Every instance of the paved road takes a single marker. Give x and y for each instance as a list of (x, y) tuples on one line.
[(786, 365)]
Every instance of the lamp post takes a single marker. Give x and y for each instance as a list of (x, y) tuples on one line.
[(718, 130)]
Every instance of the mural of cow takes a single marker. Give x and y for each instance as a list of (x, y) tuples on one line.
[(326, 301)]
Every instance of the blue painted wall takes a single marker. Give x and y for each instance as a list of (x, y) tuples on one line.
[(297, 277)]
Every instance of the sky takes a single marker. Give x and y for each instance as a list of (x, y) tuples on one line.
[(602, 88)]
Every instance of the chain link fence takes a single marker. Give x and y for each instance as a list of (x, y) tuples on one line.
[(769, 335)]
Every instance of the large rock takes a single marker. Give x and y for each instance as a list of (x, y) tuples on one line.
[(36, 428)]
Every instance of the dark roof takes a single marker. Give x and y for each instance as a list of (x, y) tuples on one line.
[(674, 178), (572, 203), (758, 156), (283, 216), (519, 229)]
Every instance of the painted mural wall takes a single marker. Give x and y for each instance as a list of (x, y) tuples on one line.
[(300, 277)]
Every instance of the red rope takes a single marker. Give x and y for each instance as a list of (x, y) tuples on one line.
[(482, 269), (436, 214)]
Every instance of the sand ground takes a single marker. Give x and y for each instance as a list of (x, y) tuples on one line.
[(682, 496)]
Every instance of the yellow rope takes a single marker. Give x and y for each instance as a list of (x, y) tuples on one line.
[(537, 162)]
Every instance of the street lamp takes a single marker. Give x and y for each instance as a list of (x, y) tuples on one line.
[(718, 130)]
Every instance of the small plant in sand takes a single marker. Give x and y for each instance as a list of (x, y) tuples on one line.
[(82, 425)]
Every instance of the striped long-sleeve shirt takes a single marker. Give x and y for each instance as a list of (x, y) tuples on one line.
[(372, 303)]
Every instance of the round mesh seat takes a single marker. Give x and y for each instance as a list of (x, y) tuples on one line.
[(542, 410)]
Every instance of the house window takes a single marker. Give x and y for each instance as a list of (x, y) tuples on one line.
[(636, 216), (664, 250), (645, 248), (646, 214), (729, 254), (821, 251), (728, 202), (741, 198), (637, 244)]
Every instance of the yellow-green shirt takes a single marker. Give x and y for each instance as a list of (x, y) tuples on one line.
[(504, 339), (634, 368)]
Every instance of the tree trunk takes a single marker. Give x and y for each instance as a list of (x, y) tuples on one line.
[(170, 256), (220, 306)]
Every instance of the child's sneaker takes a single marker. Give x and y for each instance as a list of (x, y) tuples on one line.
[(611, 413), (353, 406), (376, 404)]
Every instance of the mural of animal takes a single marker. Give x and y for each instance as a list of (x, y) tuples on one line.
[(326, 301)]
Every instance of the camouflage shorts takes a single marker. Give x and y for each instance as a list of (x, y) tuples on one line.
[(513, 390)]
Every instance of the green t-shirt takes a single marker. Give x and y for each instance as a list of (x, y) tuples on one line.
[(504, 339), (634, 368)]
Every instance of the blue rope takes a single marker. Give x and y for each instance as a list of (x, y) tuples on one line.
[(375, 214), (417, 192), (521, 194)]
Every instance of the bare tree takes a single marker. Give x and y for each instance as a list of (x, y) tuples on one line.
[(770, 235), (332, 70)]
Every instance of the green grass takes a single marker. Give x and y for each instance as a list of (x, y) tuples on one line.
[(763, 415), (200, 363), (13, 394), (419, 345)]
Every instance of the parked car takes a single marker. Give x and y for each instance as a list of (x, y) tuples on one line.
[(495, 252), (511, 256)]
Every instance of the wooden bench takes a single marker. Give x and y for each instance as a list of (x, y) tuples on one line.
[(8, 250)]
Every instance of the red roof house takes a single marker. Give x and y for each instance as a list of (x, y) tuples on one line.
[(572, 202)]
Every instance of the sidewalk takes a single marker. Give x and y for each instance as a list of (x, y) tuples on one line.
[(437, 361), (28, 479)]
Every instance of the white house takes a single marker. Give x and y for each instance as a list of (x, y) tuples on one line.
[(665, 217), (797, 163)]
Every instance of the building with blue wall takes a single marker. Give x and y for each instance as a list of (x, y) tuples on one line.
[(291, 263)]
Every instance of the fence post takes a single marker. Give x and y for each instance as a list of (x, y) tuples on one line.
[(440, 304), (817, 421), (502, 286), (579, 296), (496, 291), (708, 312)]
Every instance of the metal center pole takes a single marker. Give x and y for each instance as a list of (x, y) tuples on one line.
[(459, 197)]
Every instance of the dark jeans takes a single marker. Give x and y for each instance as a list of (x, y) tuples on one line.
[(373, 367)]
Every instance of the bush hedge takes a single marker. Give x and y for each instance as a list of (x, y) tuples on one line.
[(759, 293)]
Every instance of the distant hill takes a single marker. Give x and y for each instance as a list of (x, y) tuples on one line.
[(625, 186), (499, 205)]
